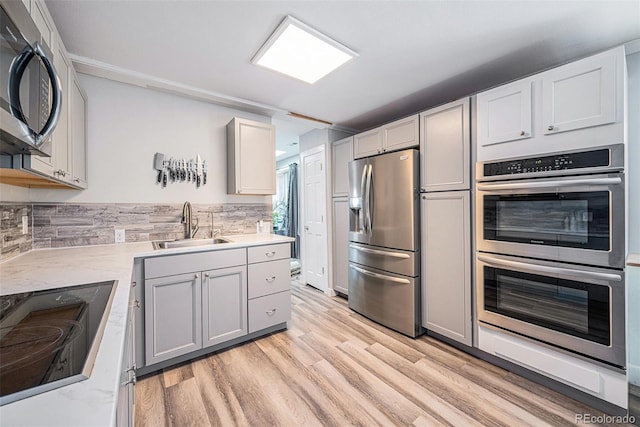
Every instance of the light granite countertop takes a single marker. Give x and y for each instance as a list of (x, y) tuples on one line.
[(633, 260), (91, 402)]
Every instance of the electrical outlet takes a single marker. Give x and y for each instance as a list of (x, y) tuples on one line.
[(120, 235), (25, 224)]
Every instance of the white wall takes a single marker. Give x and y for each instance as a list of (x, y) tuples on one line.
[(127, 125), (13, 193)]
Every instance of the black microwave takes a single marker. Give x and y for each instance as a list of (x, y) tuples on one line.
[(30, 96)]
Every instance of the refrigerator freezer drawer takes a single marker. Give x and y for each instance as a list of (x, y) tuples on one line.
[(389, 299), (396, 261)]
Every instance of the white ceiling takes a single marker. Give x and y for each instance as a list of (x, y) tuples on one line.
[(413, 54)]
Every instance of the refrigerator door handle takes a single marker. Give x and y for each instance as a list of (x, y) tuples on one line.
[(361, 212), (380, 276), (377, 252), (369, 222)]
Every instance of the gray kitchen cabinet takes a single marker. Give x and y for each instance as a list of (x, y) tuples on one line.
[(77, 132), (505, 113), (341, 245), (269, 286), (444, 147), (251, 158), (224, 304), (125, 410), (173, 316), (341, 155), (403, 133), (446, 264), (579, 95)]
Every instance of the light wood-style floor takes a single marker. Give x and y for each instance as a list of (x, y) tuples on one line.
[(333, 367)]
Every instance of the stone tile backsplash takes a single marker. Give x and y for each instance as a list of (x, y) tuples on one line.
[(65, 224), (13, 241)]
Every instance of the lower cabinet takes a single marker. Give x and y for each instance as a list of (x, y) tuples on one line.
[(224, 305), (173, 316), (214, 298), (446, 264), (125, 412), (341, 245)]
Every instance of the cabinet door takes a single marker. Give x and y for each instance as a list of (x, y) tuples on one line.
[(60, 137), (251, 149), (401, 134), (78, 132), (504, 113), (446, 264), (341, 155), (341, 245), (224, 304), (367, 143), (173, 316), (444, 147), (580, 95)]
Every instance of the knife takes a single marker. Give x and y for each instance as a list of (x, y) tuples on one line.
[(198, 170), (204, 172), (158, 164)]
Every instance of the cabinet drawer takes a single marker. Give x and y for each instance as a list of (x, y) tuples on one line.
[(269, 310), (186, 263), (269, 252), (268, 278)]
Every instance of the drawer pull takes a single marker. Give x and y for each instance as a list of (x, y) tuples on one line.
[(271, 312), (270, 279), (270, 254)]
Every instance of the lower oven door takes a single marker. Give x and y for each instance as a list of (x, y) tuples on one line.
[(577, 219), (580, 309)]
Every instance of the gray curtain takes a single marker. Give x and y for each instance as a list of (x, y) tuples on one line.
[(291, 221)]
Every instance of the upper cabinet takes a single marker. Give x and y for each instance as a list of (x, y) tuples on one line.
[(580, 95), (341, 155), (444, 147), (78, 132), (504, 114), (575, 106), (403, 133), (251, 157)]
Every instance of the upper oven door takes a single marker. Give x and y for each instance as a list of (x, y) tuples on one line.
[(577, 219)]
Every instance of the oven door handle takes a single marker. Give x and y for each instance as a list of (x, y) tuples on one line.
[(537, 269), (549, 184), (380, 276)]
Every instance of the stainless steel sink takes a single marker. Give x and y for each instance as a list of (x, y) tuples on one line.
[(186, 243)]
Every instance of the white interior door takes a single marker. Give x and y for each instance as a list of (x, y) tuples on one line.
[(314, 259)]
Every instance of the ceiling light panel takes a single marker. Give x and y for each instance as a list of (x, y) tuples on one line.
[(299, 51)]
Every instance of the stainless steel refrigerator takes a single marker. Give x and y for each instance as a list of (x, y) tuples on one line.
[(384, 240)]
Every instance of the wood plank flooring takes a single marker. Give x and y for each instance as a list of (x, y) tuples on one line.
[(333, 367)]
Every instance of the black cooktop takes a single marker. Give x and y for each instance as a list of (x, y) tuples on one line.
[(49, 338)]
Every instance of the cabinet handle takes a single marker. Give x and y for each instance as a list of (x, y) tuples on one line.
[(132, 369), (550, 127), (136, 304), (270, 279), (133, 284), (76, 180), (206, 274), (271, 312), (195, 276), (270, 254), (131, 381), (522, 133)]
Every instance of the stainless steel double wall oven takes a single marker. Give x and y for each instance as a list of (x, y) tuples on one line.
[(551, 249)]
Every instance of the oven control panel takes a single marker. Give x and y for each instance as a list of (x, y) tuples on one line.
[(566, 161)]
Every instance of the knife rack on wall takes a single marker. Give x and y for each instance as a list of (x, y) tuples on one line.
[(180, 170)]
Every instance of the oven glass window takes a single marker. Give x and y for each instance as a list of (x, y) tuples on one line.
[(576, 220), (566, 306)]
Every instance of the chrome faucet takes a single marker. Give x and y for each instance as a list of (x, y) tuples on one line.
[(189, 232)]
